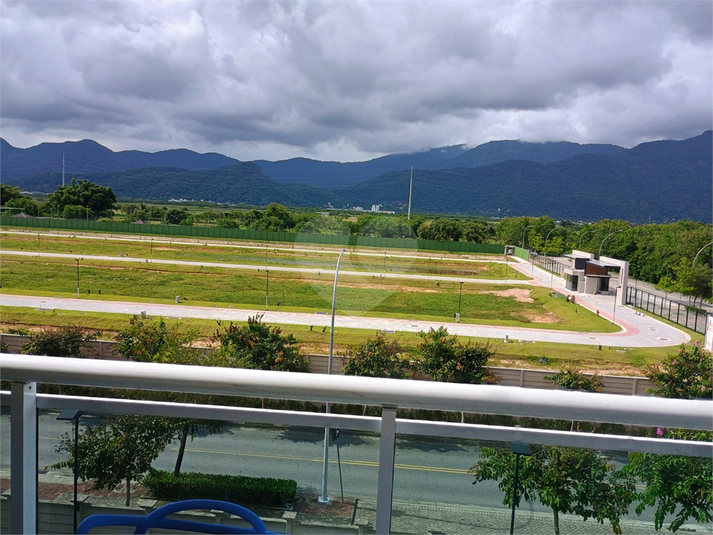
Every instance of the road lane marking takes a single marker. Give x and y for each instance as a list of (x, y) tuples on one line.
[(369, 464)]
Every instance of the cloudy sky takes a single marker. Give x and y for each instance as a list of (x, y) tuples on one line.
[(351, 80)]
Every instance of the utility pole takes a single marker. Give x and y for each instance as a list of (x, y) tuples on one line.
[(63, 169), (410, 190)]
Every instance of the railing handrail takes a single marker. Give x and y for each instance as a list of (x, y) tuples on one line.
[(487, 399)]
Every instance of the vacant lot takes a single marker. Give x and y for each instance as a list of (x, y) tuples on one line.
[(298, 291)]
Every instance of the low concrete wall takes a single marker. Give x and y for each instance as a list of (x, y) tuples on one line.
[(526, 378), (56, 517)]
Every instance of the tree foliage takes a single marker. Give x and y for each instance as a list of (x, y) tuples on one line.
[(174, 216), (64, 341), (98, 199), (447, 360), (378, 357), (677, 485), (151, 340), (572, 379), (9, 193), (118, 449), (568, 480), (685, 375), (259, 346)]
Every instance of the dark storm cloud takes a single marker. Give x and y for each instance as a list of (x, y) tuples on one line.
[(346, 80)]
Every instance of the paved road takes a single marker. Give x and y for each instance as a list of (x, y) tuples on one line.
[(428, 470), (637, 331)]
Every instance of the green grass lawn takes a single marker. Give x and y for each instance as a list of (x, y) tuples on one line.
[(304, 292), (274, 255)]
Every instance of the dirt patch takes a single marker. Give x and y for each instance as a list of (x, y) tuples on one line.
[(541, 318), (368, 286), (521, 295)]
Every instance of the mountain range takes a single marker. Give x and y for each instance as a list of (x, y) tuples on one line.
[(659, 181)]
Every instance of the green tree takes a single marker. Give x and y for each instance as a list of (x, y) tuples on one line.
[(174, 216), (28, 206), (676, 485), (9, 193), (568, 480), (98, 199), (378, 357), (442, 229), (667, 285), (149, 340), (259, 346), (64, 341), (445, 359), (685, 375), (74, 211), (679, 486), (325, 225), (118, 449), (387, 227), (572, 379)]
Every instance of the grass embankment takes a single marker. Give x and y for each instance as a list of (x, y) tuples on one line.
[(302, 255), (298, 292), (512, 354)]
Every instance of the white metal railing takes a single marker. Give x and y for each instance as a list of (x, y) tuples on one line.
[(25, 371)]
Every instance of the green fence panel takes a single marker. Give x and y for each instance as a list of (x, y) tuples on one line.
[(522, 253)]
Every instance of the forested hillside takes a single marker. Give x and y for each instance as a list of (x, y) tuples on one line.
[(658, 181)]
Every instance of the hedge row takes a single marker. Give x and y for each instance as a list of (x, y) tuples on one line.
[(242, 490)]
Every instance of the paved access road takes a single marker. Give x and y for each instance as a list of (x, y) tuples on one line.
[(638, 331)]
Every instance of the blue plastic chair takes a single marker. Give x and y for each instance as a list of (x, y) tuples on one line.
[(157, 519)]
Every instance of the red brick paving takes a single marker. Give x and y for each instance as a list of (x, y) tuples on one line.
[(50, 491)]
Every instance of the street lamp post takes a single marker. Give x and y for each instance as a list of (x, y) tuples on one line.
[(518, 448), (77, 260), (324, 498), (73, 416), (460, 298), (599, 255), (582, 236), (267, 286), (38, 244), (699, 252), (544, 248), (523, 235)]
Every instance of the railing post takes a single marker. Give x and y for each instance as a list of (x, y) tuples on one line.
[(23, 458), (387, 454)]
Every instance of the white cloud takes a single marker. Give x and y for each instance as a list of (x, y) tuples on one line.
[(352, 80)]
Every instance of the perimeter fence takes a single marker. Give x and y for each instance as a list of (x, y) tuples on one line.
[(688, 316)]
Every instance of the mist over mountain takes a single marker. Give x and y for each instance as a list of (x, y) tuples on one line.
[(657, 181)]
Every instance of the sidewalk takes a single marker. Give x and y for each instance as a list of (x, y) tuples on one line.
[(407, 517)]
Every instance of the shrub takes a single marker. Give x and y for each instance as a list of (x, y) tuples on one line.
[(244, 490), (572, 379)]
